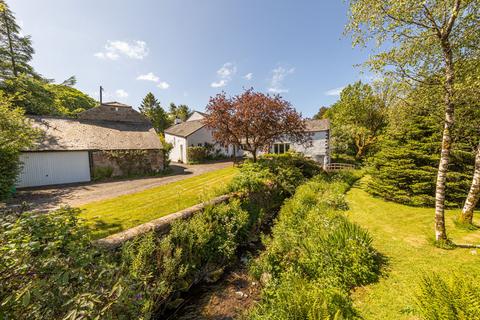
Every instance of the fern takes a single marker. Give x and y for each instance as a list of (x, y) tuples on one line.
[(456, 297)]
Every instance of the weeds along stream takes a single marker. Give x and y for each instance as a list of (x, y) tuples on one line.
[(229, 296)]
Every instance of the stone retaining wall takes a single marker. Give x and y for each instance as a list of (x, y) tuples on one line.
[(160, 225)]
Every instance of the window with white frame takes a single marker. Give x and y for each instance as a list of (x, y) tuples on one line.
[(279, 148)]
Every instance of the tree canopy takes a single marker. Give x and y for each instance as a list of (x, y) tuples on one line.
[(253, 120), (152, 109), (426, 41), (16, 50), (39, 97), (181, 112), (357, 119)]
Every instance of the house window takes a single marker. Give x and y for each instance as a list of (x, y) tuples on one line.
[(279, 148)]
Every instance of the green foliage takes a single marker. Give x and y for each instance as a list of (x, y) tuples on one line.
[(357, 120), (38, 97), (101, 173), (131, 162), (30, 94), (181, 112), (322, 113), (297, 298), (15, 135), (16, 50), (285, 172), (197, 154), (193, 251), (166, 149), (313, 247), (405, 169), (453, 298), (49, 270), (69, 101), (152, 109)]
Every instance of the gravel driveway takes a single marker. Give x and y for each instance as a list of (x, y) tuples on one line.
[(79, 194)]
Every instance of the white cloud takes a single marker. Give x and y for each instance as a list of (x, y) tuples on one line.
[(163, 85), (148, 77), (278, 75), (225, 74), (248, 76), (116, 48), (107, 55), (219, 84), (334, 92), (152, 77), (121, 93)]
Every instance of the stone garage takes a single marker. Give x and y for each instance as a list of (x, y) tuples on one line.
[(110, 140)]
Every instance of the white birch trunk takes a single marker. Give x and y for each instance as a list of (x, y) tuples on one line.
[(473, 194)]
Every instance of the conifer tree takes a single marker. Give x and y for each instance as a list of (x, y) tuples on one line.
[(16, 50), (405, 168), (152, 109)]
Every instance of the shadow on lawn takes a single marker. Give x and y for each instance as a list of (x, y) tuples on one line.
[(103, 229)]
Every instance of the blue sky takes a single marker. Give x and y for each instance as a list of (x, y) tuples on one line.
[(185, 51)]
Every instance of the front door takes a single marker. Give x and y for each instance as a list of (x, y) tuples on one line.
[(181, 153)]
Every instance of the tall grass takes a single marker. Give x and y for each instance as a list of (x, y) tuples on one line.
[(314, 255)]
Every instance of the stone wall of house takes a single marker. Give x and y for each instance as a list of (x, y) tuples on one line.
[(127, 162)]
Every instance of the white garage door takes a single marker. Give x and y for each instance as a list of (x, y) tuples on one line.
[(45, 168)]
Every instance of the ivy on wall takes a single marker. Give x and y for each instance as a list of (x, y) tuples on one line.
[(130, 161)]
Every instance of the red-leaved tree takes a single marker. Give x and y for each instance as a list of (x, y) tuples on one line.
[(252, 121)]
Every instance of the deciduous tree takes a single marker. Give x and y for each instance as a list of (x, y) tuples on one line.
[(424, 38), (253, 120), (181, 112), (357, 118), (321, 114), (473, 194)]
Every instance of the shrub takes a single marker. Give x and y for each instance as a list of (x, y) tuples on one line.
[(9, 169), (286, 172), (166, 150), (100, 173), (15, 134), (452, 298), (315, 242), (50, 270), (197, 154), (308, 167)]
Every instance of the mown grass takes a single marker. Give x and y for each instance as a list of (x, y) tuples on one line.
[(404, 235), (123, 212)]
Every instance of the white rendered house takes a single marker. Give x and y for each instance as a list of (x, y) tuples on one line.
[(192, 133)]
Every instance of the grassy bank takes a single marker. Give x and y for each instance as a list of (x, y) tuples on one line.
[(403, 234), (123, 212)]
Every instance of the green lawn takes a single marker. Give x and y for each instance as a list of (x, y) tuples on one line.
[(123, 212), (403, 234)]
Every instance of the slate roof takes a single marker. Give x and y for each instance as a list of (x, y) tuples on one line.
[(185, 129), (113, 111), (62, 134), (318, 125)]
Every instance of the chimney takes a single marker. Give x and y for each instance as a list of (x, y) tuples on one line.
[(177, 121)]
